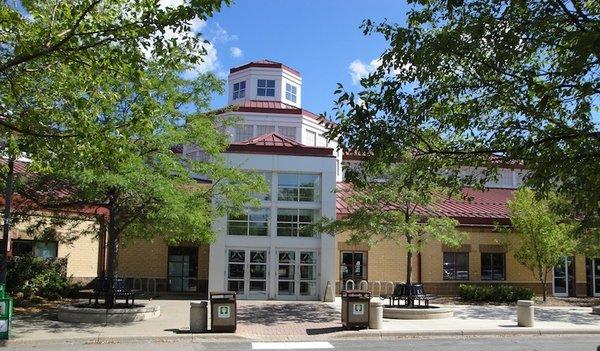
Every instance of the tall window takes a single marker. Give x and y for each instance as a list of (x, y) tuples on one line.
[(243, 133), (290, 92), (289, 132), (255, 222), (493, 266), (266, 87), (298, 187), (311, 138), (239, 90), (262, 130), (456, 266), (291, 221), (353, 266)]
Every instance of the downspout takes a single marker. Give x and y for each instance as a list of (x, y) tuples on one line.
[(101, 248)]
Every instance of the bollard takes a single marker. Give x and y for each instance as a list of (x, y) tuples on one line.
[(198, 316), (525, 313), (328, 297), (376, 315)]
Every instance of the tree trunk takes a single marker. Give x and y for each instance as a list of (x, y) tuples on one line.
[(544, 281), (409, 256), (8, 194), (113, 252)]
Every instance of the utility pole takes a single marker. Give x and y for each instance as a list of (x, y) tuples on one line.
[(8, 194)]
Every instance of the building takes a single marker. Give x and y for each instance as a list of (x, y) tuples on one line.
[(265, 254)]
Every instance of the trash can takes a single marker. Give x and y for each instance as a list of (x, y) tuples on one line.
[(355, 309), (223, 311), (6, 306), (198, 316)]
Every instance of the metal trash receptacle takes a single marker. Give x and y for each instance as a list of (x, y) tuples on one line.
[(223, 311), (355, 309)]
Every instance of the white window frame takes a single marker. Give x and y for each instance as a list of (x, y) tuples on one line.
[(247, 221), (267, 89), (291, 92), (316, 187), (239, 90), (297, 224)]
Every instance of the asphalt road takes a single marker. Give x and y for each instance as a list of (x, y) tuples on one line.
[(507, 343)]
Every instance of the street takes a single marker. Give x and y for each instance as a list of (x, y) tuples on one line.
[(508, 343)]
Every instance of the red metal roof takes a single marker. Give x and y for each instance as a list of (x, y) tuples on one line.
[(265, 64), (276, 144), (262, 106), (477, 208)]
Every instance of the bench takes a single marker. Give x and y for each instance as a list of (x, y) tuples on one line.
[(409, 294), (101, 291)]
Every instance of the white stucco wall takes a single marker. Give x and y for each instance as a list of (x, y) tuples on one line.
[(324, 244)]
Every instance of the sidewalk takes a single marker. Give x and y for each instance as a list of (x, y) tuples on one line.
[(277, 320)]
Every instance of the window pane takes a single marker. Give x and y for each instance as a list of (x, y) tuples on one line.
[(287, 257), (243, 85), (287, 215), (236, 271), (307, 257), (258, 271), (258, 229), (237, 228), (286, 271), (287, 179), (347, 258), (289, 132), (270, 92), (308, 180), (308, 288), (270, 83), (285, 229), (286, 288), (307, 194), (237, 255), (287, 194), (306, 216), (261, 215), (235, 285), (258, 286), (262, 130), (258, 256), (260, 92), (261, 83)]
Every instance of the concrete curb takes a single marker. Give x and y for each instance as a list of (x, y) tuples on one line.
[(382, 334), (125, 339)]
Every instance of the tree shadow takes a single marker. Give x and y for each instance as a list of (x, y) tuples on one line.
[(563, 315), (275, 313), (47, 321)]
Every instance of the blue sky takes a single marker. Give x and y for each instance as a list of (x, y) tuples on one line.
[(321, 39)]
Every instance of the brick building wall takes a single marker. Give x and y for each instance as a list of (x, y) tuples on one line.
[(386, 261), (144, 259)]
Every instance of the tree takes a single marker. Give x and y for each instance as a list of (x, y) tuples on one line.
[(485, 83), (56, 57), (131, 174), (398, 205), (544, 237)]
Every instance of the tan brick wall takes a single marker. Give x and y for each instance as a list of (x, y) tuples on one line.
[(387, 262), (143, 259), (81, 254)]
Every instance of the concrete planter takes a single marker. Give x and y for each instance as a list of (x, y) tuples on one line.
[(433, 312), (79, 314)]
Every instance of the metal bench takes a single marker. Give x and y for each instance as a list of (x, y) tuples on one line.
[(409, 294), (101, 291)]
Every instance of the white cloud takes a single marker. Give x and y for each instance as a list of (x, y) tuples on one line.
[(359, 69), (236, 52), (218, 34)]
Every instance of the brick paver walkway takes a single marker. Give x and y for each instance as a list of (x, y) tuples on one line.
[(264, 319)]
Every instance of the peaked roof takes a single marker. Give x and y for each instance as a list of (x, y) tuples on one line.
[(264, 64), (276, 144), (477, 208)]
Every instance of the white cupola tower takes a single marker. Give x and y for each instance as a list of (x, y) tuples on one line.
[(265, 80)]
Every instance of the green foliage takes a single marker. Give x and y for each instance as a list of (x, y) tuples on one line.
[(36, 276), (485, 83), (397, 205), (493, 293), (544, 237)]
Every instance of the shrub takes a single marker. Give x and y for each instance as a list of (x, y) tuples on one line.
[(36, 276), (494, 293)]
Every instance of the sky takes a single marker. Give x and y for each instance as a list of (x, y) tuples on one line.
[(321, 39)]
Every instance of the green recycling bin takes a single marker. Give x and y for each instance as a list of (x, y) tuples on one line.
[(6, 307)]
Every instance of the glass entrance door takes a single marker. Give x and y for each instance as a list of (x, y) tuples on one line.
[(297, 275), (183, 269), (562, 277), (247, 272), (596, 276)]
